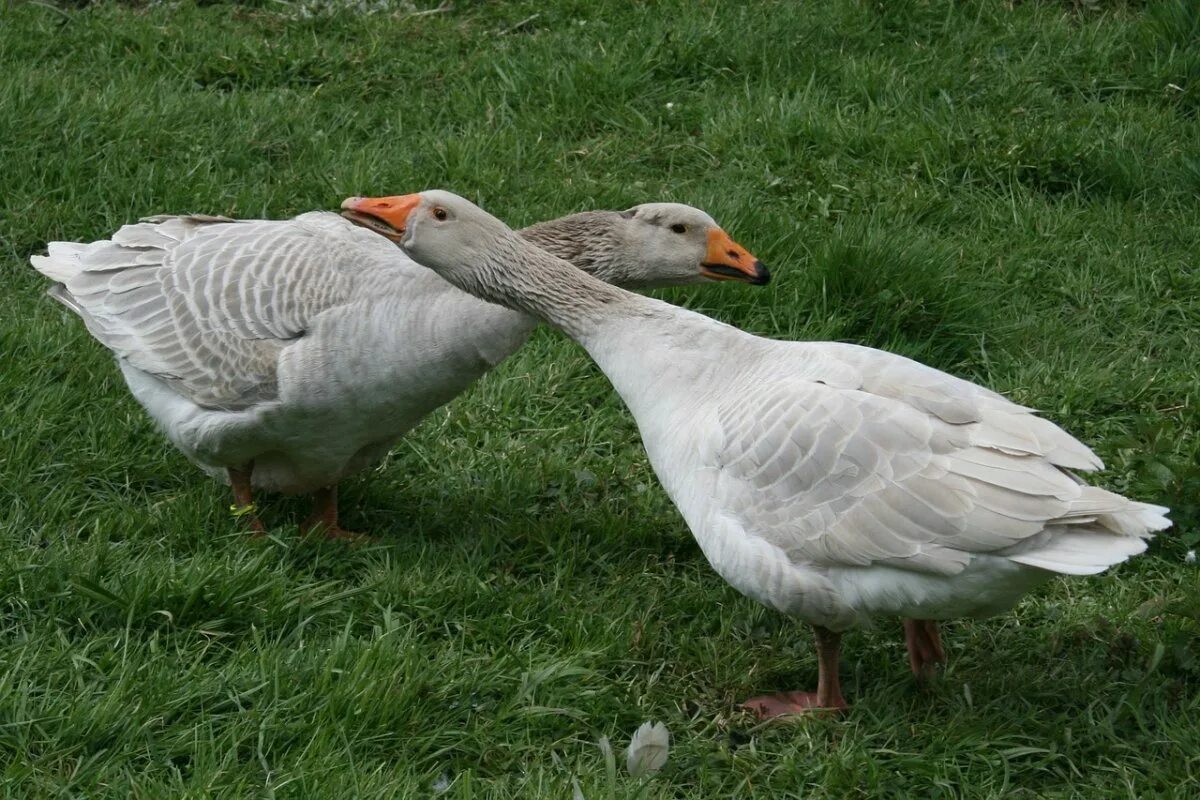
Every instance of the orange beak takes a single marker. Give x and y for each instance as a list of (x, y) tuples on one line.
[(387, 216), (726, 260)]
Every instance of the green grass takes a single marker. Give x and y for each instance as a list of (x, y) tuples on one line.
[(1010, 194)]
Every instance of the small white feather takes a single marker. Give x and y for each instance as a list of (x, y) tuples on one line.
[(648, 749)]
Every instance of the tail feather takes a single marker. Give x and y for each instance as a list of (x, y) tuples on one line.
[(1102, 529), (60, 293), (1137, 519), (62, 262), (1073, 552)]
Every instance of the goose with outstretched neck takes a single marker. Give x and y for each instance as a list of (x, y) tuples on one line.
[(830, 482), (285, 355)]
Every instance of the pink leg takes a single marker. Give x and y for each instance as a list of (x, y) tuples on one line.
[(325, 516), (243, 497), (925, 652), (828, 695)]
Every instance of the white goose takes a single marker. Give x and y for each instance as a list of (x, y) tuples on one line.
[(285, 355), (828, 481)]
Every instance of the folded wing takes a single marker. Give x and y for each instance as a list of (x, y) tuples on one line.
[(895, 463), (206, 303)]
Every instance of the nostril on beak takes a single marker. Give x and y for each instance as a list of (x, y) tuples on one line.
[(734, 254)]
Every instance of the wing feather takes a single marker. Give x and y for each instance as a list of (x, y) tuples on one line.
[(207, 303), (907, 466)]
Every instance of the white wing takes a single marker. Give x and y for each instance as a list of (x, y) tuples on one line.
[(892, 462), (207, 303), (1003, 424)]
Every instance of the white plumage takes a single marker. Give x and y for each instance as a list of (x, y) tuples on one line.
[(828, 481), (289, 354)]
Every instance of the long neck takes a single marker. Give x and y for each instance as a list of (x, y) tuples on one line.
[(593, 241), (530, 280)]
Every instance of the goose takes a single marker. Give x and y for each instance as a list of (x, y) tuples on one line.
[(831, 482), (285, 355)]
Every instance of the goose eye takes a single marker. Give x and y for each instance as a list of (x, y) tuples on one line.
[(440, 214), (679, 228)]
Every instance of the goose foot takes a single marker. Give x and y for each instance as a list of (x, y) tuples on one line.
[(324, 518), (924, 642), (337, 534), (243, 498), (785, 704), (827, 697)]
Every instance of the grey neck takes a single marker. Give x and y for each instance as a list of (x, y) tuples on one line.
[(591, 241), (528, 279)]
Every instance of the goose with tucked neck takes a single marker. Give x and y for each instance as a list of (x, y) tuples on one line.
[(828, 481), (285, 355)]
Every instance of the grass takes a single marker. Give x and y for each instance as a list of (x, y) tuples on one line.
[(1007, 193)]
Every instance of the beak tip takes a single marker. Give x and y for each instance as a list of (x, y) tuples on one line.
[(762, 276)]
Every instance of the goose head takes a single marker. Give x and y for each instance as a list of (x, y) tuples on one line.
[(673, 244), (445, 232), (649, 245)]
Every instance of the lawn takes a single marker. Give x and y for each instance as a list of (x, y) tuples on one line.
[(1010, 192)]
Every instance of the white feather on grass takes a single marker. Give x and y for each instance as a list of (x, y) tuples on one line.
[(648, 749)]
